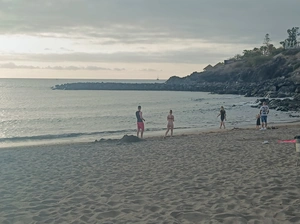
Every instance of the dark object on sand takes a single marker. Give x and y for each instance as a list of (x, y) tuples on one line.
[(272, 127), (129, 139), (124, 139), (106, 140)]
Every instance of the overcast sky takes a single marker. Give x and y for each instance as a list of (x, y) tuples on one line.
[(133, 39)]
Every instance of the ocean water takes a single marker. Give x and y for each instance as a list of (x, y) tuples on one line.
[(32, 113)]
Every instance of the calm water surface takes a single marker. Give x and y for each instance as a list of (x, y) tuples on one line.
[(31, 112)]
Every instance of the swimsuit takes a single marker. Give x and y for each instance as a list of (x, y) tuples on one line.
[(140, 126), (222, 112), (170, 121), (140, 123)]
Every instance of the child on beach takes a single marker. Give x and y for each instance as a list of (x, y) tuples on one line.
[(257, 121), (170, 125), (223, 117)]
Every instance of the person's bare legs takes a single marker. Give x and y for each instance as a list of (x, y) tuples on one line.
[(171, 131), (138, 133), (142, 132), (167, 131), (222, 124)]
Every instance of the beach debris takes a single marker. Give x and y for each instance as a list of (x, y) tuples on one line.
[(106, 140), (265, 142), (130, 139), (287, 141), (124, 139)]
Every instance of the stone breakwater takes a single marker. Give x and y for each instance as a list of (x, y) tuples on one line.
[(214, 87), (277, 88), (274, 88), (110, 86)]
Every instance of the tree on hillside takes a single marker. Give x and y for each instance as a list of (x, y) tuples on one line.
[(265, 49), (252, 53), (267, 40), (238, 57), (291, 41)]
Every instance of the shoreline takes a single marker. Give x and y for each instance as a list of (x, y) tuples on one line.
[(152, 136)]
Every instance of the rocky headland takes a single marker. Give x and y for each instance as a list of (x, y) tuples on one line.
[(268, 78)]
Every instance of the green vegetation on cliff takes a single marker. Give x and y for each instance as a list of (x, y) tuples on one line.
[(259, 64)]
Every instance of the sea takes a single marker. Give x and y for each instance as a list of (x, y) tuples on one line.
[(32, 113)]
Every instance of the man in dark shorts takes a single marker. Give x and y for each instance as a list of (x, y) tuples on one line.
[(140, 121), (264, 111)]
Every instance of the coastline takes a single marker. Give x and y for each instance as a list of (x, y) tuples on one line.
[(214, 176), (154, 135)]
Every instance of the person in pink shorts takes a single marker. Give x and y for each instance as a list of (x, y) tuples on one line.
[(140, 122)]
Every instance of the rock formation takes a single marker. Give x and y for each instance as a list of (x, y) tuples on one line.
[(277, 77)]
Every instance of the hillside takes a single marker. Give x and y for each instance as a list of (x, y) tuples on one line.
[(278, 76), (272, 76)]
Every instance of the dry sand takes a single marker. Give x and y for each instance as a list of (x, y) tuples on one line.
[(213, 177)]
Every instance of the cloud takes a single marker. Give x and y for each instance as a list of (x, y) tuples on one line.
[(139, 31), (150, 70), (143, 20), (187, 55), (65, 49), (12, 65), (119, 69)]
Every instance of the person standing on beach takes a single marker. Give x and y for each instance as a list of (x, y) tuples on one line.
[(264, 111), (170, 125), (140, 122), (223, 117), (257, 121)]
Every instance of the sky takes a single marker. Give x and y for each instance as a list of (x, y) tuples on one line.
[(133, 39)]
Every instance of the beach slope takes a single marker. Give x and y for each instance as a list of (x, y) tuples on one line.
[(210, 177)]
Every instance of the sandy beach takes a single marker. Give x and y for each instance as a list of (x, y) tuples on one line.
[(226, 176)]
